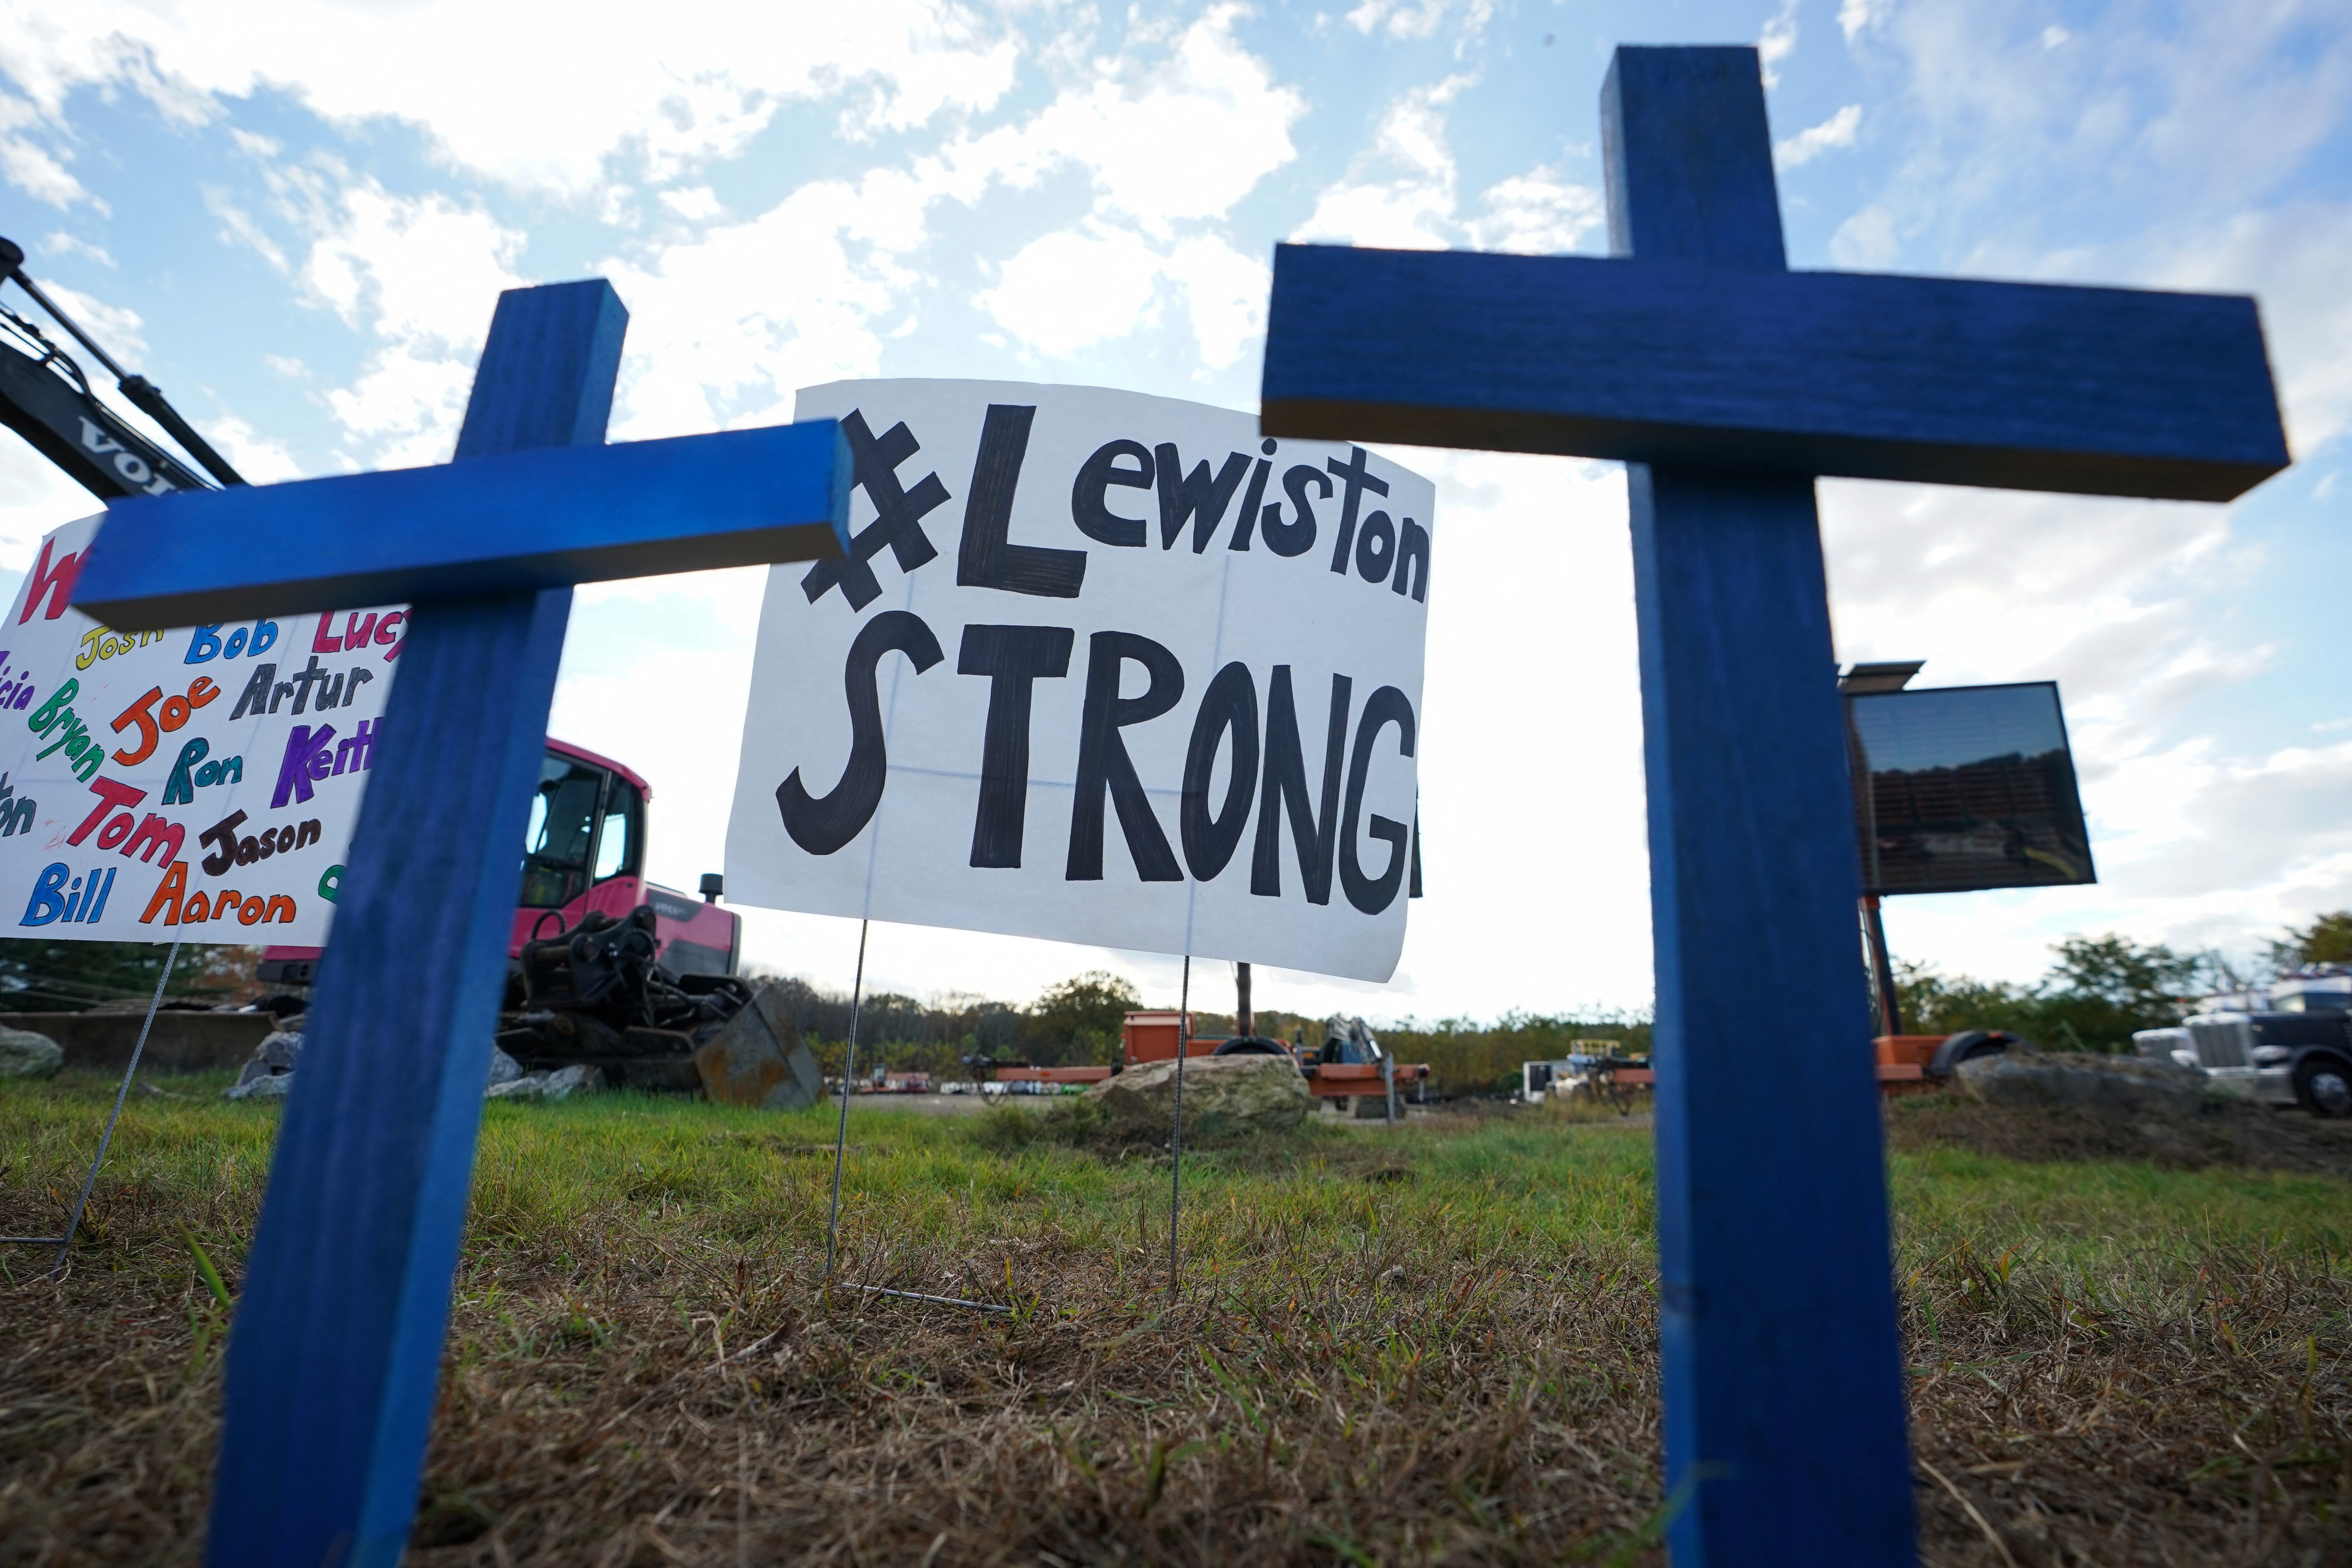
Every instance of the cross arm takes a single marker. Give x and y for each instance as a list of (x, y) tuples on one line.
[(486, 525), (2016, 385)]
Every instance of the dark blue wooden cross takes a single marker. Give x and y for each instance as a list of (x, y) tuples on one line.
[(333, 1364), (1727, 383)]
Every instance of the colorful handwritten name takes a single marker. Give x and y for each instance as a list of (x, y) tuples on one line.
[(52, 904), (179, 906)]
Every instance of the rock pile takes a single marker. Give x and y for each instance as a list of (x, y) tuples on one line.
[(560, 1084), (270, 1074)]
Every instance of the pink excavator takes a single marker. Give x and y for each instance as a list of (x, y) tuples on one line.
[(583, 854)]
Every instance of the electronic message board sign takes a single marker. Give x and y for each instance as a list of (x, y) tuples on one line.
[(1964, 788)]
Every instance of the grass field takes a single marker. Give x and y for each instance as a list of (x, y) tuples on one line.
[(1435, 1344)]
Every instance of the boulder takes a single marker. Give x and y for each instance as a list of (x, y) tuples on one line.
[(2132, 1085), (560, 1084), (1233, 1093), (266, 1086), (504, 1068), (270, 1073), (24, 1054)]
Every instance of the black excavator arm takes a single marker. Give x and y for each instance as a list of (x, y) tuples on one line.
[(45, 398)]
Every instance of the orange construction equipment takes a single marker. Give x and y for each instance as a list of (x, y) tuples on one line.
[(1152, 1037), (1903, 1063), (1051, 1075)]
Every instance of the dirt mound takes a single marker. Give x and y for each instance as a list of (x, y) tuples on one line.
[(2250, 1136)]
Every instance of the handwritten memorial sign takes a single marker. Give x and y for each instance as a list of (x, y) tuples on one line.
[(1100, 668), (199, 783)]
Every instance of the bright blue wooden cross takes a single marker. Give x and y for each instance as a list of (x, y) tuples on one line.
[(337, 1350), (1727, 383)]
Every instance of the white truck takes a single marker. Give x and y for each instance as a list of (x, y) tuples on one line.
[(2288, 1044)]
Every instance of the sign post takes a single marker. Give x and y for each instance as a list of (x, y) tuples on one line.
[(1726, 383)]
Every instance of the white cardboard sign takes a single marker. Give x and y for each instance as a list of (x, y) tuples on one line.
[(1099, 668), (198, 784)]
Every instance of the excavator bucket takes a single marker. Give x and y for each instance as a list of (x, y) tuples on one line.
[(758, 1059)]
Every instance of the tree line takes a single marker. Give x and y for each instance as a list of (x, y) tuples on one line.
[(2097, 991)]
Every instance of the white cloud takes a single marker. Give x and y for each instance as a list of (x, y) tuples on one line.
[(503, 90), (1168, 137), (2292, 259), (1072, 289), (238, 227), (1858, 16), (419, 275), (724, 327), (38, 175), (1409, 19), (424, 268), (2178, 121), (1169, 133), (1537, 213), (1837, 130), (35, 496), (261, 459), (64, 244), (1162, 136), (404, 409), (33, 169), (1401, 192), (1225, 294), (116, 327), (1777, 41), (695, 203), (1866, 241)]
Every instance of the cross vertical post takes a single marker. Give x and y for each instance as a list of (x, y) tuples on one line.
[(335, 1359), (1782, 1372), (1724, 383)]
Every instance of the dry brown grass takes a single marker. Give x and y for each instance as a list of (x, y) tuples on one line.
[(2253, 1136), (1433, 1348)]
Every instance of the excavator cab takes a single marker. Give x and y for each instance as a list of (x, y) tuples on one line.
[(587, 828), (583, 851)]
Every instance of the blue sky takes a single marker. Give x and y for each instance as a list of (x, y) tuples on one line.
[(295, 219)]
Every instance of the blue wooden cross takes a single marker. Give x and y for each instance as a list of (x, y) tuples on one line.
[(1727, 383), (336, 1354)]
